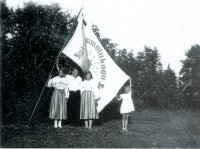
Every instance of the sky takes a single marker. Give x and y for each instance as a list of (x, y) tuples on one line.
[(172, 26)]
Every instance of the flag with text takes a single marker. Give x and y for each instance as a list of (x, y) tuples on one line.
[(85, 49)]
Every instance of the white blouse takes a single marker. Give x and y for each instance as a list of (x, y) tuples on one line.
[(74, 83), (59, 83), (90, 85)]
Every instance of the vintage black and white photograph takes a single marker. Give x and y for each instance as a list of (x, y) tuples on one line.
[(100, 74)]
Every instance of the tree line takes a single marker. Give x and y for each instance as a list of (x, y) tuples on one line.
[(31, 39)]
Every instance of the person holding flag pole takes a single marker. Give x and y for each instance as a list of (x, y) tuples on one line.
[(126, 105), (58, 106), (55, 65)]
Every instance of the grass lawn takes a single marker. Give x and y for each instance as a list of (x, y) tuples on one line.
[(149, 129)]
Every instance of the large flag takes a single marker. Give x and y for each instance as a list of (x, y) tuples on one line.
[(85, 49), (76, 48)]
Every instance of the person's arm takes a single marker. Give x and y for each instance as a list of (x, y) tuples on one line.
[(131, 85), (67, 89), (79, 84), (97, 95), (82, 86), (118, 98), (49, 84), (66, 94)]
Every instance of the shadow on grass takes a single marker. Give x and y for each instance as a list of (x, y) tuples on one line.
[(110, 112)]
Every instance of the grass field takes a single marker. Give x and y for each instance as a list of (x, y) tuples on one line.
[(149, 129)]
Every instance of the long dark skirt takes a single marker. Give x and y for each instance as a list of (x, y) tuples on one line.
[(88, 107), (58, 107), (73, 107)]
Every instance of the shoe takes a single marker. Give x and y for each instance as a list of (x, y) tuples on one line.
[(125, 130), (59, 126), (55, 126)]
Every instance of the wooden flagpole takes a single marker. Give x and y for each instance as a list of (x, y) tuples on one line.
[(55, 64)]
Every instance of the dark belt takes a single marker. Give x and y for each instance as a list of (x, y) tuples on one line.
[(74, 91)]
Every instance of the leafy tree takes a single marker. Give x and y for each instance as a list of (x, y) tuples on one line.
[(168, 89), (148, 67), (4, 45), (33, 37), (107, 43), (190, 76), (121, 59), (96, 31)]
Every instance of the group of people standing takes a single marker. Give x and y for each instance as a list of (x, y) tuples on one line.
[(74, 100)]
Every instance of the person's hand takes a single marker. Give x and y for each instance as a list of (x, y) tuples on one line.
[(66, 99), (96, 102), (97, 97), (116, 100)]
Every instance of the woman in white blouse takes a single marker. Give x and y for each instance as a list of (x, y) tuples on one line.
[(89, 99), (58, 106)]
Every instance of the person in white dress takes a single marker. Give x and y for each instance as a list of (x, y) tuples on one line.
[(58, 106), (126, 106)]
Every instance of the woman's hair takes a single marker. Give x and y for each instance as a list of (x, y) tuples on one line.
[(74, 68), (126, 87), (62, 69), (88, 72)]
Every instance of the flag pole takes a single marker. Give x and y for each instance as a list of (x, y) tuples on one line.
[(55, 64), (79, 12)]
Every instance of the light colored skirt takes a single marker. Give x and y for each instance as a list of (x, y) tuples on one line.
[(88, 108), (58, 106)]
